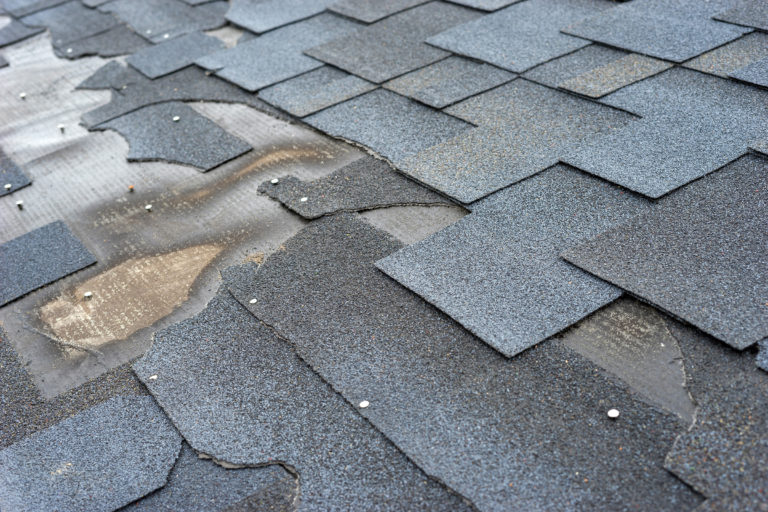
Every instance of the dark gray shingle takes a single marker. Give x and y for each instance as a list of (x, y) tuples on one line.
[(178, 53), (263, 15)]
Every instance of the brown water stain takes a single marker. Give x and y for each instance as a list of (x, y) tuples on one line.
[(126, 298)]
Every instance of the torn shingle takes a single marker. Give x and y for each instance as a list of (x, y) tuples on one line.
[(509, 434), (240, 394), (164, 58), (668, 148), (699, 254), (276, 56), (724, 455), (521, 35), (160, 20), (100, 459), (395, 45), (11, 174), (316, 90), (19, 8), (675, 30), (603, 80), (198, 485), (119, 40), (505, 257), (38, 258), (71, 22), (732, 56), (16, 31), (750, 13), (176, 133), (523, 129), (365, 184), (390, 124), (263, 15), (755, 73), (448, 81), (369, 11)]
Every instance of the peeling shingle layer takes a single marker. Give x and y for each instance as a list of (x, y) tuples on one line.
[(174, 55)]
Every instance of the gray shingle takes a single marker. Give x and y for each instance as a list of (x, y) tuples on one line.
[(697, 254), (38, 258), (751, 13), (762, 355), (732, 56), (755, 73), (448, 81), (395, 45), (55, 469), (11, 174), (365, 184), (19, 8), (195, 140), (240, 394), (3, 62), (174, 55), (276, 56), (71, 22), (675, 30), (16, 31), (264, 15), (521, 35), (369, 11), (316, 90), (485, 5), (523, 129), (509, 434), (118, 40), (387, 123), (692, 125), (558, 70), (603, 80)]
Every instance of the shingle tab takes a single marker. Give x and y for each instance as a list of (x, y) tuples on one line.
[(699, 254), (390, 124), (509, 434), (751, 13), (521, 35), (485, 5), (240, 394), (732, 56), (603, 80), (38, 258), (70, 22), (164, 58), (264, 15), (118, 40), (11, 174), (569, 66), (276, 56), (16, 31), (19, 8), (448, 81), (755, 73), (395, 45), (369, 11)]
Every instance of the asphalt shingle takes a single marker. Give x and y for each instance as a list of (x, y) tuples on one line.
[(603, 80), (19, 8), (395, 45), (485, 5), (699, 254), (38, 258), (156, 61), (755, 73), (561, 69), (369, 11), (240, 394), (55, 469), (154, 133), (118, 40), (762, 355), (71, 22), (11, 174), (522, 35), (750, 13), (732, 56), (16, 31), (509, 434), (263, 15)]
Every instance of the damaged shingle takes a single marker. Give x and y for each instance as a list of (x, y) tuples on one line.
[(262, 15), (316, 90), (176, 133), (98, 460), (390, 124), (240, 394), (156, 61), (276, 56), (38, 258), (699, 254), (369, 11), (364, 184), (395, 45), (71, 22), (730, 57), (118, 40), (10, 173), (521, 35), (509, 434)]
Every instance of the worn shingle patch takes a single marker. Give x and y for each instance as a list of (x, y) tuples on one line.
[(119, 40), (19, 8), (751, 13), (263, 15), (755, 73), (276, 56), (70, 22), (197, 485), (569, 66), (174, 55), (98, 460), (364, 184), (725, 454), (390, 124), (603, 80), (509, 434), (699, 254), (505, 257), (448, 81), (675, 30), (160, 20), (38, 258), (153, 134), (732, 56), (240, 394), (523, 129), (16, 31), (11, 174), (395, 45), (521, 35), (668, 147), (316, 90), (369, 11)]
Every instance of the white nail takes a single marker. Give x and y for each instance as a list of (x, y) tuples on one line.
[(613, 413), (303, 199), (148, 207), (274, 181), (364, 404)]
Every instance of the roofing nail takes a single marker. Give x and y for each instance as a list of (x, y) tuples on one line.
[(303, 199), (274, 181), (613, 413), (8, 186), (148, 207), (252, 301), (176, 119), (20, 205), (364, 404), (88, 295), (69, 50), (166, 36), (153, 377), (23, 95)]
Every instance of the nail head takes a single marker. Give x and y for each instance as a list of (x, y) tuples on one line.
[(613, 413), (364, 404), (274, 181)]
